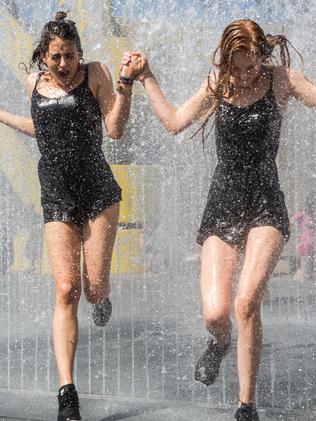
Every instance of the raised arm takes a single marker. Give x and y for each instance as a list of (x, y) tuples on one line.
[(115, 107), (173, 119), (301, 88), (21, 124)]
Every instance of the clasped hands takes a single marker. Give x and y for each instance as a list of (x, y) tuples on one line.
[(134, 65)]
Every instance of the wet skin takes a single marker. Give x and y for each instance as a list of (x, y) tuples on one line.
[(246, 69), (62, 60)]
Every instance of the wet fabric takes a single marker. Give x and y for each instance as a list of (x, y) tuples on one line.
[(245, 190), (76, 181)]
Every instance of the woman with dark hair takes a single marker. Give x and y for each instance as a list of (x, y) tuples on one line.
[(245, 214), (79, 195)]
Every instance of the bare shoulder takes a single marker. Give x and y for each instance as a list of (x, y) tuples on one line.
[(100, 81), (295, 76), (98, 72), (291, 79), (280, 75), (287, 75), (281, 84), (30, 82)]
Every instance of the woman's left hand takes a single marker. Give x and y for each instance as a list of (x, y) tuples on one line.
[(133, 64)]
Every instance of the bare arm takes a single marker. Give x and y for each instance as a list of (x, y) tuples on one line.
[(173, 119), (22, 124), (301, 88), (115, 108)]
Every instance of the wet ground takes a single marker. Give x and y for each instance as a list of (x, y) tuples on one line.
[(140, 367), (41, 407)]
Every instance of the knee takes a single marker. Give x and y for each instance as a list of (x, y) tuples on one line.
[(96, 276), (96, 287), (68, 292), (216, 318), (246, 307)]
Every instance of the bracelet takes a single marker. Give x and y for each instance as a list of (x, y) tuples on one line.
[(121, 90), (126, 80)]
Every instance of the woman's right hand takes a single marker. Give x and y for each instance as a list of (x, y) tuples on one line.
[(21, 124), (136, 63)]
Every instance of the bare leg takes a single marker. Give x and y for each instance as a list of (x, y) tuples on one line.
[(219, 261), (263, 248), (98, 241), (64, 246)]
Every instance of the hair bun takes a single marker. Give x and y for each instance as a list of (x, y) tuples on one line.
[(60, 16)]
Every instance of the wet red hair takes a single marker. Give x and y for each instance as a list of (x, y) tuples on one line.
[(241, 35)]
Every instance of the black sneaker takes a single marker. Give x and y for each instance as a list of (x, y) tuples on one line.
[(246, 412), (68, 403), (207, 367), (101, 313)]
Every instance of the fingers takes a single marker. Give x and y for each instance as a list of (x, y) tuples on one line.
[(126, 58), (128, 55), (133, 63)]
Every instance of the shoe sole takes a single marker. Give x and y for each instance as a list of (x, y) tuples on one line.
[(204, 382), (209, 383)]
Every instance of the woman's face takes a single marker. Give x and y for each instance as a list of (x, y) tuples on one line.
[(62, 60), (245, 68)]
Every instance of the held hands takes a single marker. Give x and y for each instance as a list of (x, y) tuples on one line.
[(135, 65)]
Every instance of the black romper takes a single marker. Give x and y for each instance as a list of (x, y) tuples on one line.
[(245, 190), (76, 181)]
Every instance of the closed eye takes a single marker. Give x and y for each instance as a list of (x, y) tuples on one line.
[(55, 57), (69, 56)]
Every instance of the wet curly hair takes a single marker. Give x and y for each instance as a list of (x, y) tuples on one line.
[(60, 27)]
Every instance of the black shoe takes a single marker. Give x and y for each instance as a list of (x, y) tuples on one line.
[(101, 313), (207, 367), (68, 403), (246, 412)]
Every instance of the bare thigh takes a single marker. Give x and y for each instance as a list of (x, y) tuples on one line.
[(219, 262), (64, 247), (98, 238), (263, 248)]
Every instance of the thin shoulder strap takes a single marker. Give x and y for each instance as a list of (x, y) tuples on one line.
[(271, 79), (38, 79), (86, 72)]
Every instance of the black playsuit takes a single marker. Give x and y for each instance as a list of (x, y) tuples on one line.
[(245, 190), (76, 181)]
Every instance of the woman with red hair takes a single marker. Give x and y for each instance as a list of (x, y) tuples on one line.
[(245, 213)]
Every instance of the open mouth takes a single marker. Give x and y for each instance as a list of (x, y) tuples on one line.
[(64, 74)]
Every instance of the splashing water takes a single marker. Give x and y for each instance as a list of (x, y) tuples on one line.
[(156, 334)]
